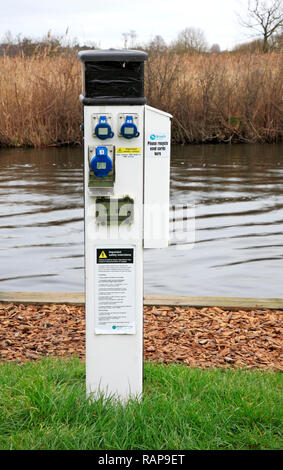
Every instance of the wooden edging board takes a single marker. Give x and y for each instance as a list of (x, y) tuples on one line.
[(77, 298)]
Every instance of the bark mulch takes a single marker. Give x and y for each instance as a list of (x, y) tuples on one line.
[(198, 337)]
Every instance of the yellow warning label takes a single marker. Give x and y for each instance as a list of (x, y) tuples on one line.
[(103, 255), (128, 150)]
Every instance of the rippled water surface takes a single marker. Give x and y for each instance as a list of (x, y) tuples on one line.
[(238, 197)]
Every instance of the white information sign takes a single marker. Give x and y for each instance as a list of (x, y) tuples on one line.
[(157, 145), (115, 290)]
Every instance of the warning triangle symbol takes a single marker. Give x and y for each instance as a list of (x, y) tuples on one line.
[(103, 254)]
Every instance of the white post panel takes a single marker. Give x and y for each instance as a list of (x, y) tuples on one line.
[(113, 99), (114, 291), (126, 172), (157, 149)]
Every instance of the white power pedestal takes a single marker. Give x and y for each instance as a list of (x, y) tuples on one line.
[(126, 184)]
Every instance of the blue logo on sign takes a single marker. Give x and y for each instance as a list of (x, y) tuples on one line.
[(156, 136)]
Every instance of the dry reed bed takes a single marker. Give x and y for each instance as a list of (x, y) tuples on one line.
[(222, 97), (214, 98), (39, 103)]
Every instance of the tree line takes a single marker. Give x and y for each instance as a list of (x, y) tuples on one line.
[(263, 19)]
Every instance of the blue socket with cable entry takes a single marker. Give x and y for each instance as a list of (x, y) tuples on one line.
[(129, 128), (101, 163), (103, 129)]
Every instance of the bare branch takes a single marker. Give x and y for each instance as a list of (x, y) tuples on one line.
[(264, 17)]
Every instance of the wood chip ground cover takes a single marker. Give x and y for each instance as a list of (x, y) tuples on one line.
[(198, 337)]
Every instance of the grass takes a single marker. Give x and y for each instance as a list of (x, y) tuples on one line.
[(213, 97), (43, 406)]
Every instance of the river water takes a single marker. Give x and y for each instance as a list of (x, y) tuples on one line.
[(236, 192)]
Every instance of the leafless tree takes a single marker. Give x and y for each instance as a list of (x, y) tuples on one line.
[(264, 17), (190, 40), (125, 37), (215, 49), (157, 44), (133, 36)]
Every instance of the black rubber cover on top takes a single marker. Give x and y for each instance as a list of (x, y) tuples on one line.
[(112, 55), (113, 77)]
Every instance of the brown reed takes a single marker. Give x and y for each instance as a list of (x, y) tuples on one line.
[(213, 97), (39, 103), (220, 97)]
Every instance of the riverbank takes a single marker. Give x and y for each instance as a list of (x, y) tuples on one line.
[(213, 98), (197, 337)]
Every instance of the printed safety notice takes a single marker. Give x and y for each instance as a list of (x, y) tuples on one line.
[(115, 290)]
